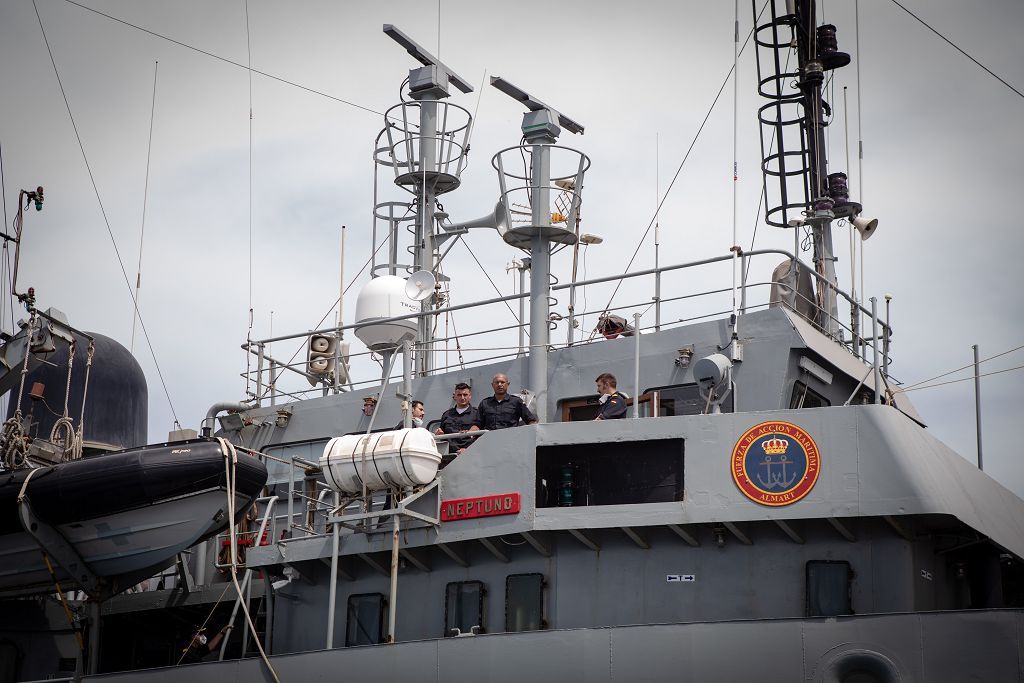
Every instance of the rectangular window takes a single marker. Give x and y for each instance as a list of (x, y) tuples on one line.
[(584, 408), (463, 607), (365, 622), (610, 473), (524, 602), (829, 585), (685, 399), (805, 397)]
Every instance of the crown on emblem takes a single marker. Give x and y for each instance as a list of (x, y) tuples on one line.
[(775, 446)]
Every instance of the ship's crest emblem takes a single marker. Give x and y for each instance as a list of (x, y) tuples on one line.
[(775, 463)]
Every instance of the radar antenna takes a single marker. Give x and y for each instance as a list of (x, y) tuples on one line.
[(793, 148), (426, 148), (542, 124)]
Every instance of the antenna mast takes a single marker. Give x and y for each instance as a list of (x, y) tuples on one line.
[(428, 161), (794, 121), (542, 124)]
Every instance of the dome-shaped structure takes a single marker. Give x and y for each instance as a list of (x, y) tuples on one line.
[(117, 403), (382, 298)]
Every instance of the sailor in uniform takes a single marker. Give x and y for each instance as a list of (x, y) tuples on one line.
[(503, 409), (612, 403), (461, 418), (418, 411)]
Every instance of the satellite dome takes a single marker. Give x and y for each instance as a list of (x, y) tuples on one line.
[(384, 297)]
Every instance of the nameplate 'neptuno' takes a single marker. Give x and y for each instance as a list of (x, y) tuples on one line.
[(482, 506), (775, 463)]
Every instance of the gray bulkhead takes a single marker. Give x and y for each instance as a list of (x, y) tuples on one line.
[(889, 498), (936, 646), (879, 473), (910, 516)]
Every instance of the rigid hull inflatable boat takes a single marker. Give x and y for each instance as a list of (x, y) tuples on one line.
[(125, 514)]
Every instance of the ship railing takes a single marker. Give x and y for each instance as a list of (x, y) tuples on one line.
[(264, 535), (308, 515), (493, 343), (315, 510)]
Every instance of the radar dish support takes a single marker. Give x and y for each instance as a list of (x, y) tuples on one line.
[(541, 127)]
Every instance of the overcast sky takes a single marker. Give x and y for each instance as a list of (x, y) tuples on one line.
[(943, 143)]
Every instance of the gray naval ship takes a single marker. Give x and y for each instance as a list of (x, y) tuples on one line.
[(771, 507)]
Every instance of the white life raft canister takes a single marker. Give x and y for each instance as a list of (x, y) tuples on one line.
[(381, 460)]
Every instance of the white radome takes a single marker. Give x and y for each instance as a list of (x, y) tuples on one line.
[(384, 297)]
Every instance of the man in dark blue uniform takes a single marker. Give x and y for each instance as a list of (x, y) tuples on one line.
[(462, 418), (417, 415), (612, 403), (503, 409)]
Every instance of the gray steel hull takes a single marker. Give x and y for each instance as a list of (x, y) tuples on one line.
[(144, 539), (984, 645)]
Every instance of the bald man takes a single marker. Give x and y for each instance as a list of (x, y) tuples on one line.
[(503, 409)]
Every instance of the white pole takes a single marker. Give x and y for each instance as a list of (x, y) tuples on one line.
[(657, 237), (636, 366), (874, 343), (341, 311), (333, 596), (977, 404), (393, 598)]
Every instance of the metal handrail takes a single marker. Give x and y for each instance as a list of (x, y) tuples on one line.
[(857, 344), (270, 532)]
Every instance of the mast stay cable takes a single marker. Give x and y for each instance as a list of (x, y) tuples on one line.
[(103, 211), (225, 59), (969, 365), (958, 48), (248, 333), (963, 379), (488, 276), (145, 199), (679, 169), (5, 261)]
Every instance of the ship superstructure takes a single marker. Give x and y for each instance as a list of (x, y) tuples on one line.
[(773, 506)]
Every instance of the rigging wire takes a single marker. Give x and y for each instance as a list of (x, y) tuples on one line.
[(488, 276), (103, 211), (963, 379), (679, 169), (969, 365), (735, 145), (145, 199), (338, 300), (226, 60), (860, 156), (248, 52), (958, 48), (3, 186), (850, 229), (472, 121), (248, 332), (5, 264), (763, 196)]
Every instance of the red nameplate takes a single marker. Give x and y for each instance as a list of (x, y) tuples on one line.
[(483, 506)]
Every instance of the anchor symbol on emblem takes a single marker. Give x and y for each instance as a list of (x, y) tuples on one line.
[(776, 469)]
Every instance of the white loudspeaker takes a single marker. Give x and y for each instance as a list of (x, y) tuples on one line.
[(865, 226), (420, 285), (320, 359), (497, 219)]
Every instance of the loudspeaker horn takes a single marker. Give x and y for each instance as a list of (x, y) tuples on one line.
[(497, 219), (865, 226), (420, 285)]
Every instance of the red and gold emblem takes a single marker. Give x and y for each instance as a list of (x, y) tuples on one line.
[(775, 463)]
